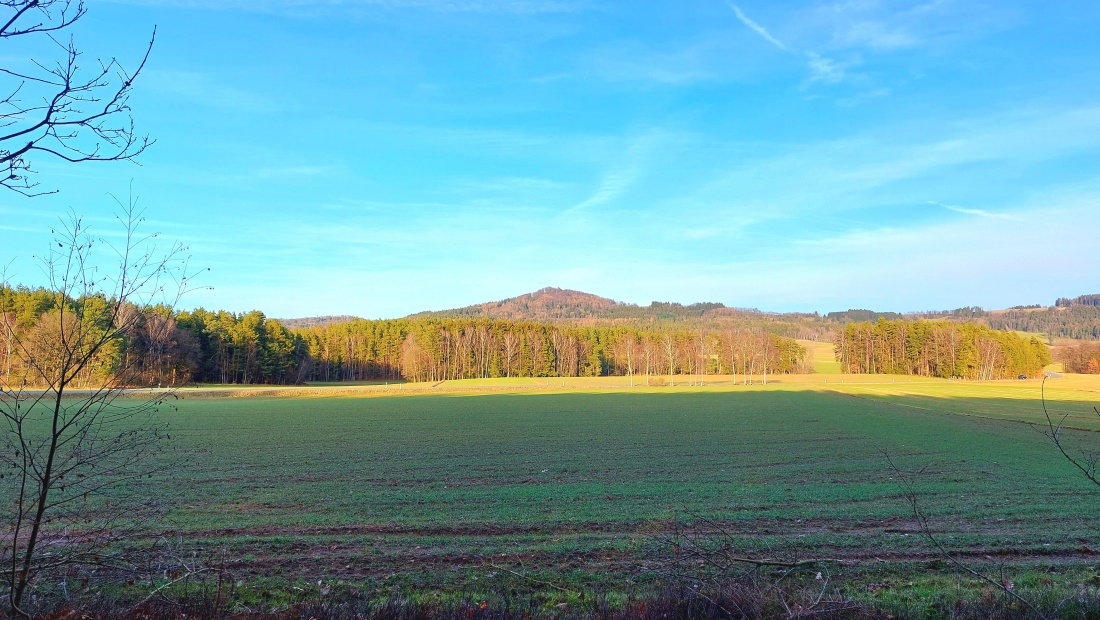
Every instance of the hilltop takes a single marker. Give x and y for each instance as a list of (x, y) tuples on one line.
[(313, 321), (556, 304), (544, 304)]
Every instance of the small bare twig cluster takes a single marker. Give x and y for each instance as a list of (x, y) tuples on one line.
[(712, 561), (61, 108), (179, 575), (1000, 582)]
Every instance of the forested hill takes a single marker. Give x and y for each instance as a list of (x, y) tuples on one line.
[(313, 321), (1077, 317), (1080, 321), (548, 304)]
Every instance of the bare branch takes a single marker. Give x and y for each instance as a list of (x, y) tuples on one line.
[(926, 531), (57, 109), (1086, 464)]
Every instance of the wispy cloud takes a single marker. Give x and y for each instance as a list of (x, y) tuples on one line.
[(876, 35), (848, 182), (892, 26), (822, 69), (613, 185), (623, 174), (977, 212), (703, 58), (757, 28)]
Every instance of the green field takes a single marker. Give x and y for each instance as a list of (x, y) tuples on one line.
[(445, 489)]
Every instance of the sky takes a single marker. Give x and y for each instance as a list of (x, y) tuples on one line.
[(382, 157)]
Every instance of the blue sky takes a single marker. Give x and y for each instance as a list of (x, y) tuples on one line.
[(381, 157)]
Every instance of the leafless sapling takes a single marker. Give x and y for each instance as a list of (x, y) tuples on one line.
[(78, 447)]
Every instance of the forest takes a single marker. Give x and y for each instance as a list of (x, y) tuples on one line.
[(170, 348), (939, 349), (1083, 358)]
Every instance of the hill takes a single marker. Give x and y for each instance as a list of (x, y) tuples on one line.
[(556, 304), (313, 321), (547, 304), (1076, 318)]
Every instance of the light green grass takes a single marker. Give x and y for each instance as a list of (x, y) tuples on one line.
[(822, 354)]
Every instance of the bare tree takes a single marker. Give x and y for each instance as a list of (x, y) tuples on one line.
[(628, 345), (731, 341), (670, 345), (511, 352), (748, 356), (649, 352), (7, 330), (61, 108), (74, 454), (766, 341)]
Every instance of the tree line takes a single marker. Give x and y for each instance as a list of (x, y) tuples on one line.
[(1083, 358), (1077, 318), (939, 349), (464, 348), (1081, 300), (167, 347), (164, 347), (1078, 321)]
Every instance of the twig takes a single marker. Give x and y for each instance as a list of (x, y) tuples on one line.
[(922, 523), (182, 577), (1054, 432), (533, 580)]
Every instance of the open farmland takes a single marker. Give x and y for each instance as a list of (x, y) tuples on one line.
[(448, 490)]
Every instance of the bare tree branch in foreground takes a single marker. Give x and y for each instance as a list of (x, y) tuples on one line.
[(1002, 584), (64, 108), (1086, 462)]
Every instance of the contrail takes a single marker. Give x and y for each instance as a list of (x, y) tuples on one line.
[(757, 28)]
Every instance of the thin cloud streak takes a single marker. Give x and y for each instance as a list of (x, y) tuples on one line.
[(977, 212), (822, 69), (757, 28), (623, 175)]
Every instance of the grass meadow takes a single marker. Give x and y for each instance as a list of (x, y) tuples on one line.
[(470, 484)]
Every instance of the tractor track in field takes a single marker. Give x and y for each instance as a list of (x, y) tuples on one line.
[(373, 551), (747, 528), (347, 561)]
